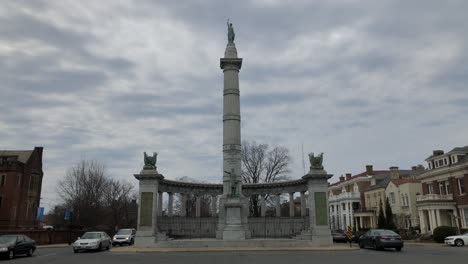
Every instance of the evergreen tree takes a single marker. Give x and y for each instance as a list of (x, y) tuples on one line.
[(381, 221), (389, 223)]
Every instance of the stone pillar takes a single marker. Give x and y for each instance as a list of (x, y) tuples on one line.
[(262, 205), (183, 204), (422, 222), (350, 214), (214, 200), (197, 206), (303, 204), (147, 233), (432, 223), (439, 220), (291, 205), (160, 203), (317, 185), (170, 203), (278, 205)]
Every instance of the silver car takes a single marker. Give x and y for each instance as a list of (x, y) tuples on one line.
[(124, 236), (92, 241)]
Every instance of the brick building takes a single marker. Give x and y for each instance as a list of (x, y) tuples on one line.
[(20, 187), (444, 200)]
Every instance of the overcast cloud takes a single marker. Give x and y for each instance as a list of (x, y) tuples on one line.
[(366, 82)]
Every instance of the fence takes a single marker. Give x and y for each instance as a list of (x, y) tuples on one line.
[(205, 227)]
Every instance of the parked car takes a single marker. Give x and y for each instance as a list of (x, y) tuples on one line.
[(339, 236), (92, 241), (124, 236), (458, 241), (13, 245), (380, 239)]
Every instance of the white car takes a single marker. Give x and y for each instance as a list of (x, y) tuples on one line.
[(458, 241), (92, 241)]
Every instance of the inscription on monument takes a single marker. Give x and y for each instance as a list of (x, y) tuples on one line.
[(321, 216), (146, 211)]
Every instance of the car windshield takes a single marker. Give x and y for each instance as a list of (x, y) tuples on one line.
[(386, 233), (7, 239), (124, 232), (91, 236)]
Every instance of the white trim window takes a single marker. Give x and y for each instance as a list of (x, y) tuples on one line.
[(465, 215), (461, 185), (392, 198), (430, 188)]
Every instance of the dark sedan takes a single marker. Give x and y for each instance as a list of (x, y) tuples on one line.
[(13, 245), (380, 239), (339, 236)]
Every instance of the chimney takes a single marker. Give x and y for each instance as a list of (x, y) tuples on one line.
[(369, 170), (342, 178), (348, 176), (438, 152), (414, 168), (394, 173)]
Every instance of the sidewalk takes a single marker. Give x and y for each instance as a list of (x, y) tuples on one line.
[(133, 249)]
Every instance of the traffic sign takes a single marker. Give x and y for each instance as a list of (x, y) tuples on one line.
[(350, 233)]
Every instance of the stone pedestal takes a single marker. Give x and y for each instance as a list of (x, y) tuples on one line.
[(319, 231), (147, 233), (233, 219)]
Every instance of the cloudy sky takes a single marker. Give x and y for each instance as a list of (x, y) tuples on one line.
[(366, 82)]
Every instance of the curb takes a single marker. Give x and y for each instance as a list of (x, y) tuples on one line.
[(219, 249), (53, 246)]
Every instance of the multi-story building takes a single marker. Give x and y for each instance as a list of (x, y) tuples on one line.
[(345, 196), (401, 195), (444, 199), (20, 187), (375, 194)]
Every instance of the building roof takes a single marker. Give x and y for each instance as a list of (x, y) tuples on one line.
[(380, 184), (23, 155), (459, 149), (398, 182), (362, 174)]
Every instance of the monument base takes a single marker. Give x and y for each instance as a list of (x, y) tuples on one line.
[(317, 236), (146, 238), (233, 219)]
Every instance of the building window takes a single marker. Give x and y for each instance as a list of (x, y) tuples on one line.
[(461, 185), (2, 180), (34, 182), (447, 187), (1, 200), (19, 179), (430, 188), (392, 197), (441, 188)]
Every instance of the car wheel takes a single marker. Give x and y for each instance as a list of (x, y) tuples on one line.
[(100, 247), (132, 241), (108, 246), (11, 254), (361, 245), (75, 250), (374, 245), (113, 244), (398, 249), (459, 243), (30, 252)]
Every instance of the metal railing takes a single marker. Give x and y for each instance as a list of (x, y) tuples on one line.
[(434, 197)]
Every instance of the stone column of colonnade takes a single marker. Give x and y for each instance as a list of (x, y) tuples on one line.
[(291, 205)]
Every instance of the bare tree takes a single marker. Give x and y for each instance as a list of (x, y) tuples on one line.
[(96, 199), (262, 164)]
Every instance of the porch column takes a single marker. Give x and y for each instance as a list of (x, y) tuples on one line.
[(183, 204), (432, 220), (303, 204), (262, 205), (214, 200), (350, 215), (197, 206), (439, 220), (291, 205), (169, 204), (422, 222), (160, 203), (278, 205)]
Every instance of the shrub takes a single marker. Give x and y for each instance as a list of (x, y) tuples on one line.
[(441, 232)]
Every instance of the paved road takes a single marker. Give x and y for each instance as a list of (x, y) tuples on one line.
[(410, 254)]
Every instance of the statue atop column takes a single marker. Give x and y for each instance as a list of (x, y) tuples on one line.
[(316, 162), (234, 182), (231, 34), (150, 161)]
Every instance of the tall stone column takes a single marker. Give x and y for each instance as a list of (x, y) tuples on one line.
[(439, 220), (422, 222), (303, 204), (197, 206), (291, 205), (147, 230), (278, 204), (262, 205), (160, 203), (317, 184), (183, 204), (233, 206)]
